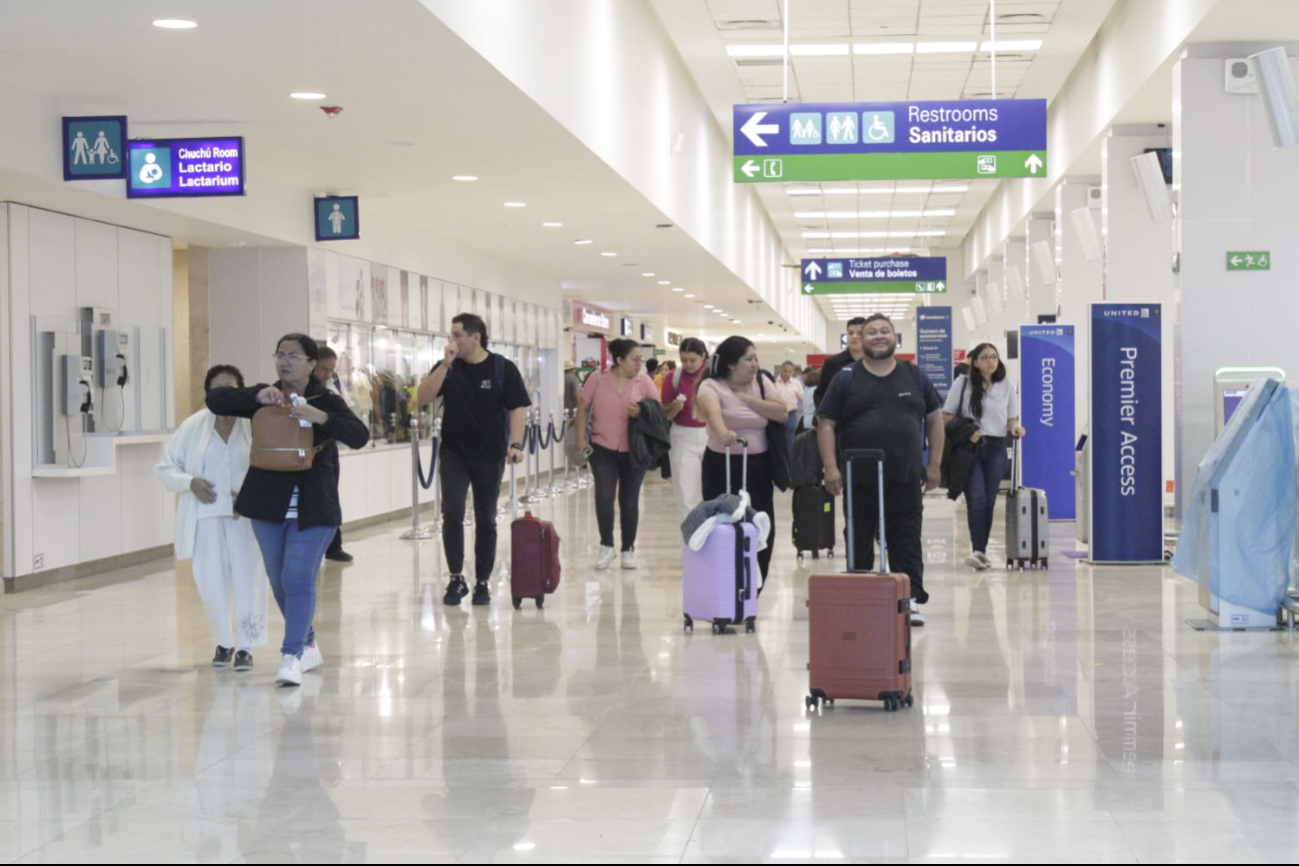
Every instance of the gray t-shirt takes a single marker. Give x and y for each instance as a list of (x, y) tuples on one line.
[(1000, 404)]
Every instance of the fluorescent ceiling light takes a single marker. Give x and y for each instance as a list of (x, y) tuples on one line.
[(1012, 45), (678, 289), (708, 306), (648, 274), (516, 204), (306, 94), (581, 243), (689, 296), (552, 225), (883, 48), (175, 24), (873, 214), (665, 282), (464, 177), (944, 190), (944, 47), (755, 50), (937, 190), (845, 235), (840, 50), (608, 255), (830, 50)]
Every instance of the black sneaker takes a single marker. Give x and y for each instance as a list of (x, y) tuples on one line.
[(457, 589), (339, 556), (482, 595), (243, 660), (222, 657)]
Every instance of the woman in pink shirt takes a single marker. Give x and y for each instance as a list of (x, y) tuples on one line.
[(689, 436), (614, 396), (729, 400)]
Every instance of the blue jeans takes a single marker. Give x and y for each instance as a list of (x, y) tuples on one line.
[(791, 424), (981, 490), (293, 560)]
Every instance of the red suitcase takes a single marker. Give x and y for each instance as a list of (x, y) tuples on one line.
[(534, 554), (860, 624)]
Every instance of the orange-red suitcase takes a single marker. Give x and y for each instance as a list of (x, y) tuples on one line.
[(860, 624)]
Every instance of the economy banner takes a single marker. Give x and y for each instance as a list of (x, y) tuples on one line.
[(1046, 363), (1127, 498)]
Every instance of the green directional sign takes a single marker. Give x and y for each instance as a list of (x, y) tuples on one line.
[(877, 287), (1249, 260), (891, 166)]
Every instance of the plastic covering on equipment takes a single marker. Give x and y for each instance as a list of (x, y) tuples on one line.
[(1238, 530)]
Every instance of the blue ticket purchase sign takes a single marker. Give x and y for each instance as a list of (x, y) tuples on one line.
[(185, 167), (1046, 359), (1127, 500), (934, 346)]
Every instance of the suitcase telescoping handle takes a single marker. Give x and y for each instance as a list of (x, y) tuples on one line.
[(1016, 471), (848, 457), (514, 494), (744, 470)]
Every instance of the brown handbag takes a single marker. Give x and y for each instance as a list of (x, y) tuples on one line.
[(281, 443)]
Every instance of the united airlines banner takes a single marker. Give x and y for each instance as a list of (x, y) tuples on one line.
[(1046, 358), (1127, 501)]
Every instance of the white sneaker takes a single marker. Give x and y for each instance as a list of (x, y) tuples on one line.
[(606, 558), (917, 618), (983, 558), (290, 671), (974, 562), (628, 560), (311, 657)]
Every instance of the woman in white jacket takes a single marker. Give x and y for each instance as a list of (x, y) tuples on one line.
[(205, 462)]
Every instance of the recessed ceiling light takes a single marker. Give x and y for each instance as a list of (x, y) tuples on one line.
[(552, 225), (608, 255), (516, 204), (648, 274), (306, 94), (687, 296), (464, 177), (708, 306), (665, 282), (678, 289), (581, 243), (175, 24)]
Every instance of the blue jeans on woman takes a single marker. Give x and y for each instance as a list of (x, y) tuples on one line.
[(981, 489), (293, 558)]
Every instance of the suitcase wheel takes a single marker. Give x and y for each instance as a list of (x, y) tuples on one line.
[(1010, 563), (689, 623), (817, 699), (911, 699), (750, 626), (830, 553), (816, 554), (541, 602), (1046, 563), (800, 554), (518, 602)]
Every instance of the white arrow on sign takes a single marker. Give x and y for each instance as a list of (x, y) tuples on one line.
[(813, 270), (754, 128), (809, 288), (1032, 163), (750, 168), (1235, 260), (942, 287)]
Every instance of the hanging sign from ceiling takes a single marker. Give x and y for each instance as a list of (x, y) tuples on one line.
[(185, 167), (961, 139)]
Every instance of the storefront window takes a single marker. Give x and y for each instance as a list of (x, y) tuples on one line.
[(381, 368)]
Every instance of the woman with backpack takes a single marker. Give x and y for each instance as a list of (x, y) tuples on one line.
[(205, 462), (689, 435), (295, 512), (731, 402), (986, 397)]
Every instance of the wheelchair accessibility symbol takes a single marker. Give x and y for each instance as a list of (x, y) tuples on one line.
[(877, 127)]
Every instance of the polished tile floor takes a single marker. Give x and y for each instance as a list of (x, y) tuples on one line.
[(1068, 715)]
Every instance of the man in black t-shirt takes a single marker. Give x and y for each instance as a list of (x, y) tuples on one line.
[(485, 410), (884, 404)]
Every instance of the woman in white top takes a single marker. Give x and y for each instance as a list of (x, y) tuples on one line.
[(205, 462), (989, 399), (730, 402)]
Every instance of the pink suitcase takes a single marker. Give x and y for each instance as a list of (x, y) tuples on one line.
[(720, 583)]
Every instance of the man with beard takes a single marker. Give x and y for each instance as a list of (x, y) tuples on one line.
[(881, 403)]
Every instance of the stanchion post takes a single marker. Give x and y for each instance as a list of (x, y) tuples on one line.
[(437, 477), (416, 532)]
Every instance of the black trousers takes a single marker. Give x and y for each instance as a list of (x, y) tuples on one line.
[(904, 505), (762, 492), (336, 546), (458, 475), (616, 480)]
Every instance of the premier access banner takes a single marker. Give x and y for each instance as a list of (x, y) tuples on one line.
[(1046, 359), (1127, 502)]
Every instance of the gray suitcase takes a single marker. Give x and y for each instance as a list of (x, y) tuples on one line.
[(1027, 523)]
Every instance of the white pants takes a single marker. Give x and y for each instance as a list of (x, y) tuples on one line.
[(688, 446), (231, 581)]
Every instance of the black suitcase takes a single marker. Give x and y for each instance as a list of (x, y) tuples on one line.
[(813, 521)]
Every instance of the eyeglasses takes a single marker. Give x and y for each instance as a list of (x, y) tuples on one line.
[(293, 357), (989, 358)]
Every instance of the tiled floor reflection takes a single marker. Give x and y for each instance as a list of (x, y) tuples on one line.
[(1068, 715)]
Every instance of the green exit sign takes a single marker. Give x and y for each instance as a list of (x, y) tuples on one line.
[(1249, 260)]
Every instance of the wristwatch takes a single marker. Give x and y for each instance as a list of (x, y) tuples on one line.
[(516, 445)]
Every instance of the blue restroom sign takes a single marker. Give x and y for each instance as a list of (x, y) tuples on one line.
[(94, 148), (338, 218)]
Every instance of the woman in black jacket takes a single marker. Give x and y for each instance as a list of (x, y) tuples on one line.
[(295, 514)]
